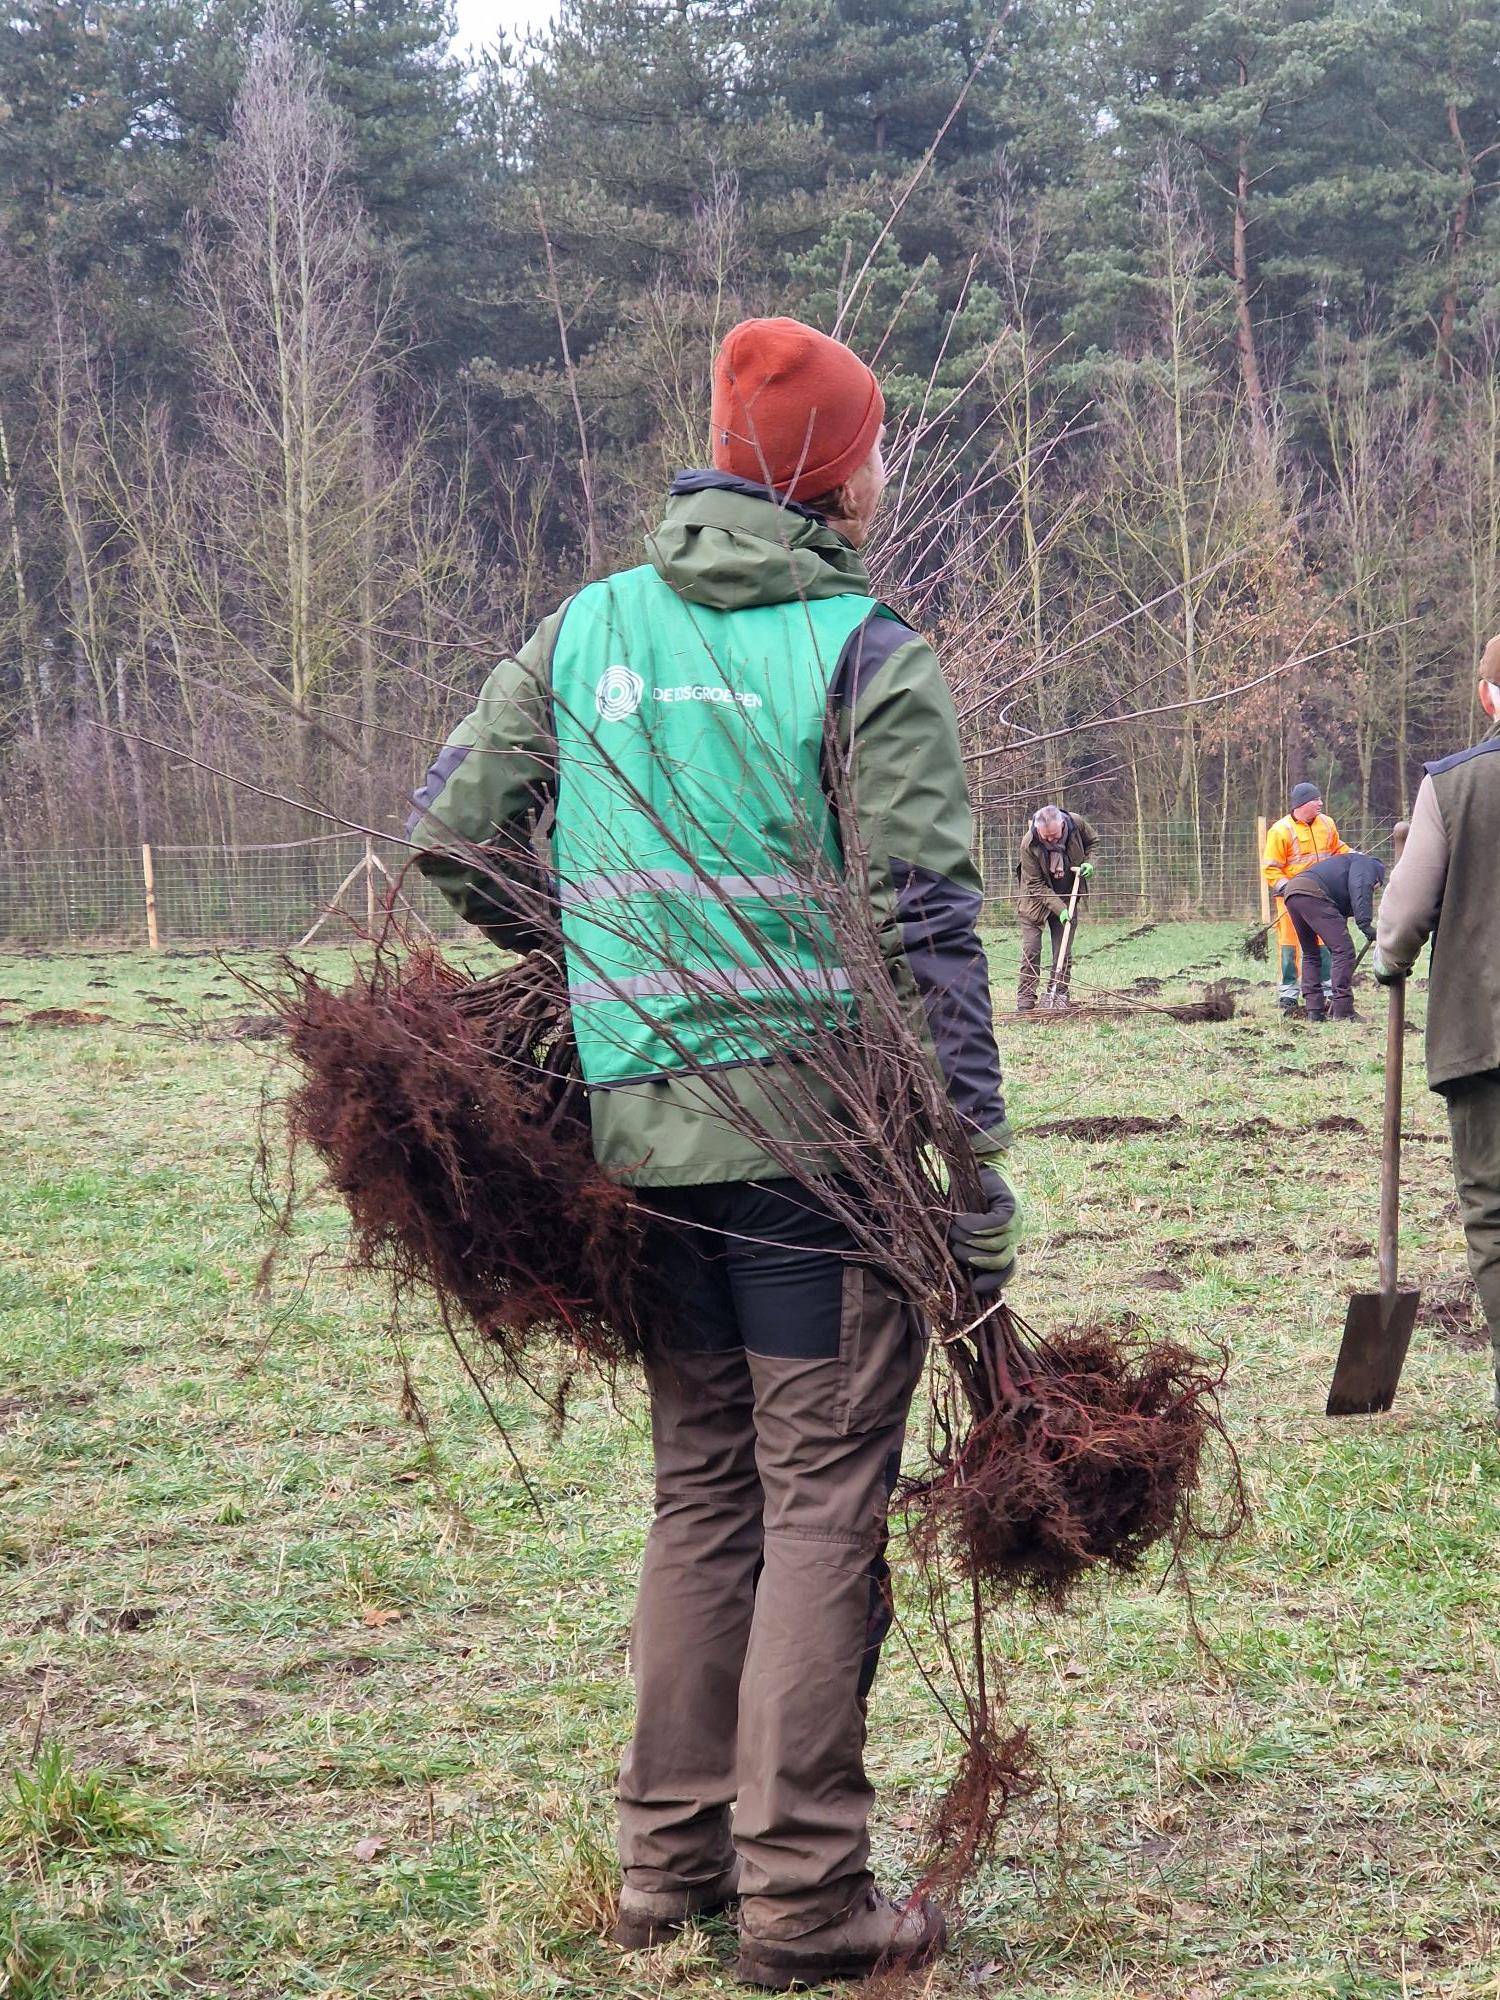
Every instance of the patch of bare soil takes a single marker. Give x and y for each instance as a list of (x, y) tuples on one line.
[(1452, 1312), (1349, 1248), (1159, 1281), (1133, 1127), (1104, 1127), (1211, 1246), (349, 1666), (244, 1028), (129, 1618), (64, 1017), (1217, 1004), (33, 1402)]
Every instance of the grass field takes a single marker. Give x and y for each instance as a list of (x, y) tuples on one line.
[(298, 1701)]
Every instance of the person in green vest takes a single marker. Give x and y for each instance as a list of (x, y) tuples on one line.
[(672, 726), (1444, 888)]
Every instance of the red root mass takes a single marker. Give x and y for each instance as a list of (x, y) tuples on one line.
[(454, 1125), (1074, 1455), (995, 1768)]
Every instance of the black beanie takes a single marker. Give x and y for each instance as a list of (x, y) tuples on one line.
[(1303, 795)]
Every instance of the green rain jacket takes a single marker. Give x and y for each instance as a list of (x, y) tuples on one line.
[(727, 546)]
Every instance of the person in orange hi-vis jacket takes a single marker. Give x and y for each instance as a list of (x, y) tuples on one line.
[(1306, 835)]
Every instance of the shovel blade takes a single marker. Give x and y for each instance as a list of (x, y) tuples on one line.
[(1373, 1350)]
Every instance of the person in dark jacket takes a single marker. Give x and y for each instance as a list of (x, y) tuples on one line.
[(711, 679), (1444, 888), (1055, 852), (1321, 901)]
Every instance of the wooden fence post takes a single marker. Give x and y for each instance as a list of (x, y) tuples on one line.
[(148, 877), (1261, 830), (371, 908)]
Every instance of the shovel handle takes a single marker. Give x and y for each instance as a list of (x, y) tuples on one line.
[(1060, 970), (1390, 1142), (1390, 1138)]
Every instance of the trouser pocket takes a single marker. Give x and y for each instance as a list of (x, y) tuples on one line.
[(882, 1344)]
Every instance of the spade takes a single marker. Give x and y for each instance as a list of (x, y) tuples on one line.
[(1377, 1327)]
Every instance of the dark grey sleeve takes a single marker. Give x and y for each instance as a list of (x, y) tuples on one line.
[(905, 791), (939, 925), (1364, 873)]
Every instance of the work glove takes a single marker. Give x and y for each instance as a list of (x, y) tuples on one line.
[(1383, 973), (1085, 869), (1369, 931), (984, 1242)]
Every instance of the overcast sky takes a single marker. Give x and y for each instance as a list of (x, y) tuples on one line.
[(478, 20)]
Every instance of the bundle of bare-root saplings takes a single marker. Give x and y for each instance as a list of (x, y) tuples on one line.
[(453, 1123)]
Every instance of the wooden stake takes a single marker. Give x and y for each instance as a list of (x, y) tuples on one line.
[(148, 877), (1261, 830), (371, 906), (359, 868)]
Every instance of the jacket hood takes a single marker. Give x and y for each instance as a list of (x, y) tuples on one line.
[(727, 544)]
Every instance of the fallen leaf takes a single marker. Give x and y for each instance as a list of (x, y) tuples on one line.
[(377, 1616), (369, 1849)]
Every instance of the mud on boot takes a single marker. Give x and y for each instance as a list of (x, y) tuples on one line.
[(873, 1935), (649, 1917)]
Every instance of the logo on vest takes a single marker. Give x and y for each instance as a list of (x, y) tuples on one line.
[(618, 694), (726, 697)]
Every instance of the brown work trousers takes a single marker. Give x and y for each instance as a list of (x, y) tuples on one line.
[(778, 1406), (1031, 959), (1474, 1120)]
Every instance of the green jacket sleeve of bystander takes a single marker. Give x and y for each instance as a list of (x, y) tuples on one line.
[(475, 816)]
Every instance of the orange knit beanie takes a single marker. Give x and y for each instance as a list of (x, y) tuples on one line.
[(792, 409)]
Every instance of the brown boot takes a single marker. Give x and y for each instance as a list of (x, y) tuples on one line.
[(873, 1936), (650, 1917)]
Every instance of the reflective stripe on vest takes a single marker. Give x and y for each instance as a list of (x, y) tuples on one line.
[(823, 981), (648, 881), (692, 830)]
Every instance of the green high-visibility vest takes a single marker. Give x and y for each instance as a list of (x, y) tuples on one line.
[(692, 826)]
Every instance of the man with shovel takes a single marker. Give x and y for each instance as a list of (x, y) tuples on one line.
[(1052, 872), (1444, 888)]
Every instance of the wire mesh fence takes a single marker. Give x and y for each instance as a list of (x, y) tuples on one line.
[(273, 896), (189, 896)]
